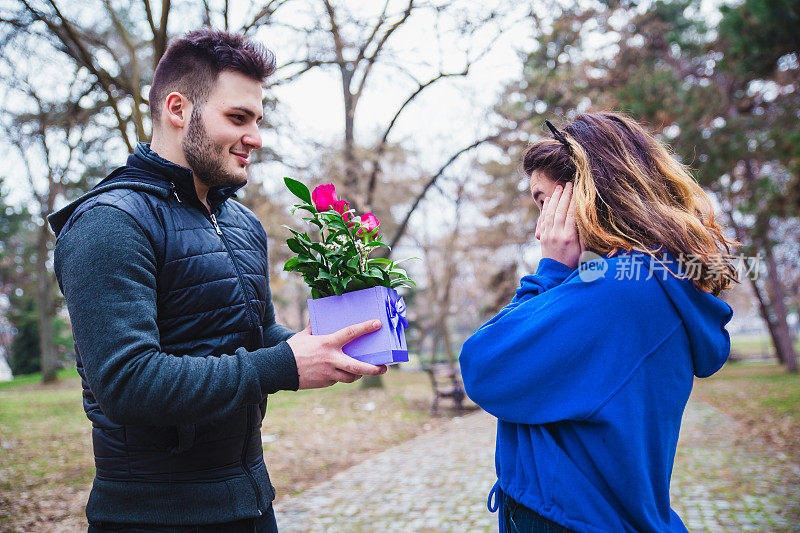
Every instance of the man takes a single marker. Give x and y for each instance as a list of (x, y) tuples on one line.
[(166, 284)]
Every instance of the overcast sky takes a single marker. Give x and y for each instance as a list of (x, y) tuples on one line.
[(443, 119)]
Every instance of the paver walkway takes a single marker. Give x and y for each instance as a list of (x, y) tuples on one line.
[(439, 482)]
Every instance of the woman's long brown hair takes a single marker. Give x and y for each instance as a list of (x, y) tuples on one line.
[(632, 194)]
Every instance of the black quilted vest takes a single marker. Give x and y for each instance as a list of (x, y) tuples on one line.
[(212, 279)]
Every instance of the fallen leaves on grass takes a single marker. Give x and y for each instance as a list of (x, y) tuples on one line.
[(46, 460), (763, 399)]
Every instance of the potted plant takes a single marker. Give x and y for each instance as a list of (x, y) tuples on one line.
[(347, 286)]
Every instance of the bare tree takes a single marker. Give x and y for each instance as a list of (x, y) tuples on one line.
[(119, 50), (57, 143), (357, 48)]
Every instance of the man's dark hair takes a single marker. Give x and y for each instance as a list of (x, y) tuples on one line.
[(192, 63)]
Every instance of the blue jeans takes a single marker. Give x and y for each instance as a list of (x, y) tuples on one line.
[(521, 519), (263, 524)]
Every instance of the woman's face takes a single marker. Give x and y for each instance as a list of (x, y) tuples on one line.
[(541, 187)]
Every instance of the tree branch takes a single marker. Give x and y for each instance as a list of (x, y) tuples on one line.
[(138, 119), (75, 48), (335, 33), (149, 13), (263, 15), (381, 148), (160, 39), (398, 234), (309, 64), (373, 58), (381, 19), (206, 13)]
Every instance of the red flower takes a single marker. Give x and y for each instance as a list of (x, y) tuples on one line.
[(342, 207), (324, 197), (369, 222)]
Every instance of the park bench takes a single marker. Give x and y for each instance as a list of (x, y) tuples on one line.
[(446, 383)]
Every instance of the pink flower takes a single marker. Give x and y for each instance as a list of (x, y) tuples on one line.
[(342, 207), (369, 222), (324, 197)]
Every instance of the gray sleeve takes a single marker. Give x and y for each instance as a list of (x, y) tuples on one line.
[(274, 333), (106, 269)]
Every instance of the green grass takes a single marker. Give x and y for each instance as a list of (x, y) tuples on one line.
[(749, 346), (25, 409), (31, 379), (46, 449), (764, 396), (45, 437), (768, 386)]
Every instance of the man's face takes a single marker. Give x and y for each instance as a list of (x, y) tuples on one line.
[(224, 130)]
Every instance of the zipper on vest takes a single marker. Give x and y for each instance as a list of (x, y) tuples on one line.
[(249, 431), (175, 192), (248, 311), (216, 227)]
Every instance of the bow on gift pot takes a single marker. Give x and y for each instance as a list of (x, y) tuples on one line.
[(396, 309)]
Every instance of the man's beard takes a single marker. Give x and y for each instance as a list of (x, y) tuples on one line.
[(205, 158)]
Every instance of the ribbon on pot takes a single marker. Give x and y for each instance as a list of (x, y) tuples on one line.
[(396, 310)]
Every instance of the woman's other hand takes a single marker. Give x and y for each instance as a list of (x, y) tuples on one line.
[(556, 228)]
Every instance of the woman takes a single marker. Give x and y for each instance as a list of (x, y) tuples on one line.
[(589, 368)]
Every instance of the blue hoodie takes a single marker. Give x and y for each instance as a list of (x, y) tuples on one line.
[(588, 372)]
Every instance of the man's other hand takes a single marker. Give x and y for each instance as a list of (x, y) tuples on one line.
[(321, 361)]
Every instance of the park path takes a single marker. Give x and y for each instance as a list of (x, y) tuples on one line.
[(439, 481)]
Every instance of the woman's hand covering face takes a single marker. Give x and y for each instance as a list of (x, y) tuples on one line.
[(556, 228)]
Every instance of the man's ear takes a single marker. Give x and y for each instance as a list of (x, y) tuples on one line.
[(177, 110)]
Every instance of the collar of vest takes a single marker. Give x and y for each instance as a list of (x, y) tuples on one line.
[(119, 179), (180, 177), (148, 172)]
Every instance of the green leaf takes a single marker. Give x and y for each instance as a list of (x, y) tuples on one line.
[(299, 190), (355, 285), (303, 236), (323, 286), (380, 260), (290, 264), (325, 276), (400, 272), (295, 246), (334, 220), (309, 271), (340, 232), (319, 248)]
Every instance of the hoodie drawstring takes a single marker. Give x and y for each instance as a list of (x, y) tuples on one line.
[(497, 493)]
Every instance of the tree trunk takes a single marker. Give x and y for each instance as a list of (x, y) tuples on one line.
[(434, 346), (444, 331), (781, 336), (351, 174), (46, 309), (774, 311)]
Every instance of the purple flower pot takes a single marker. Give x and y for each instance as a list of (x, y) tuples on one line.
[(382, 347)]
